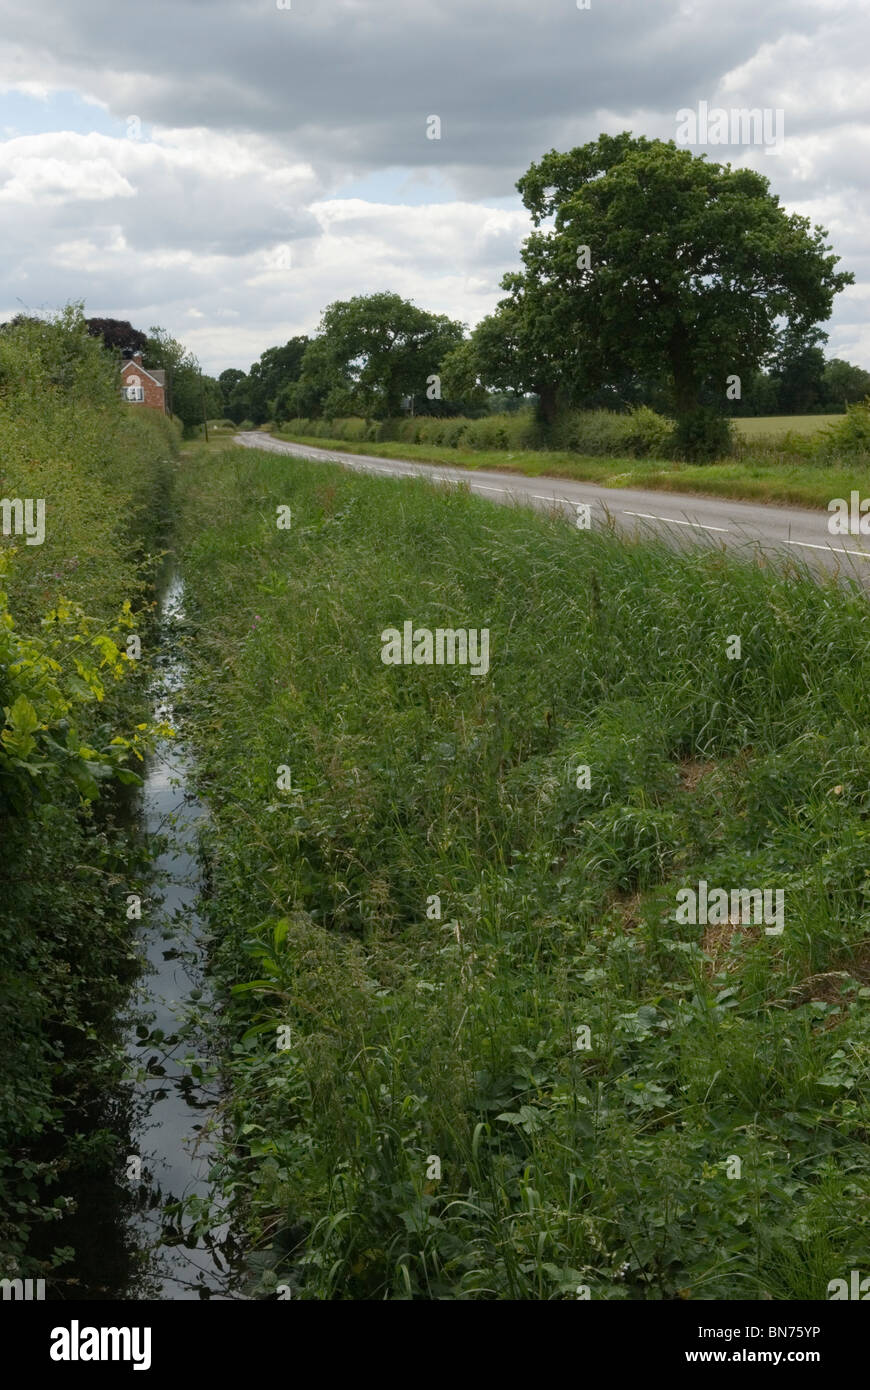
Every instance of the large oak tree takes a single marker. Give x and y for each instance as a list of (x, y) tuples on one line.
[(694, 271)]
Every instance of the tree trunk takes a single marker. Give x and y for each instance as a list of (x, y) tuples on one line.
[(547, 404), (685, 379)]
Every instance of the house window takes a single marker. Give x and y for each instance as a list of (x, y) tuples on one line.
[(134, 390)]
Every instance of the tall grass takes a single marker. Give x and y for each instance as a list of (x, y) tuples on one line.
[(369, 1037)]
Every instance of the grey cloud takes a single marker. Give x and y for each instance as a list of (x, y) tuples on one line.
[(262, 115), (349, 84)]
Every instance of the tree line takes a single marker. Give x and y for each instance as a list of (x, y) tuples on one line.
[(652, 277)]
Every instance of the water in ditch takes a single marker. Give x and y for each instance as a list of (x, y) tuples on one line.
[(150, 1141), (174, 1107)]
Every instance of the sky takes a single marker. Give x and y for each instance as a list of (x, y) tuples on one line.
[(227, 168)]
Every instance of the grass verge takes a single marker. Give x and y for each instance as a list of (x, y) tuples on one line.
[(474, 1055), (760, 480)]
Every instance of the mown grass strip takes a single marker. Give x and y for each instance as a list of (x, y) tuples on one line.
[(753, 480)]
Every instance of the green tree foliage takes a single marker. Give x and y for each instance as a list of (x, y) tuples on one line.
[(39, 355), (44, 681), (213, 397), (843, 383), (798, 371), (235, 408), (760, 395), (487, 361), (71, 712), (657, 277), (799, 381), (184, 380), (261, 394), (277, 368), (371, 353), (692, 269)]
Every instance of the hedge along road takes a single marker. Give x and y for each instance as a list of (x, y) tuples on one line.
[(680, 518)]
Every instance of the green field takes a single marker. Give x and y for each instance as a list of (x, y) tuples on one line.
[(416, 1109), (776, 426)]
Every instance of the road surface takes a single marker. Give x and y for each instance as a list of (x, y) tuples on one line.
[(678, 517)]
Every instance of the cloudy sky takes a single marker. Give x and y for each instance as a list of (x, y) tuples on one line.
[(226, 168)]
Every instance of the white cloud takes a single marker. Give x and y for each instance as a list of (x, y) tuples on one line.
[(34, 172), (223, 222)]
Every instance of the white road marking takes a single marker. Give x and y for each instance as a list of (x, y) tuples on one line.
[(835, 550), (393, 471), (673, 521)]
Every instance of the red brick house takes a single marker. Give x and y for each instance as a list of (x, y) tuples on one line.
[(143, 385)]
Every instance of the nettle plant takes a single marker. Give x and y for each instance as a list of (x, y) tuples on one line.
[(46, 683)]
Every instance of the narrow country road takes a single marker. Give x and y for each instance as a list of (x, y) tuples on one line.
[(678, 517)]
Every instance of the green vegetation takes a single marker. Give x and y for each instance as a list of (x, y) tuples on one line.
[(371, 352), (369, 1037), (72, 713), (776, 426), (639, 432), (665, 282), (663, 277), (666, 285), (190, 395), (257, 395), (768, 469), (470, 1050), (660, 266)]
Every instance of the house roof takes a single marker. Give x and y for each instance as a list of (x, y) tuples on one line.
[(156, 373)]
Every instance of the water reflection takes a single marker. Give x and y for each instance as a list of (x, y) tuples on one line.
[(174, 1112)]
